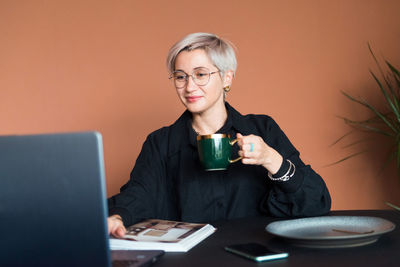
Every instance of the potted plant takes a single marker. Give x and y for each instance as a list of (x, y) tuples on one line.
[(382, 122)]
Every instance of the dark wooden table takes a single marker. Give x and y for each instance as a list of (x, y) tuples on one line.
[(210, 252)]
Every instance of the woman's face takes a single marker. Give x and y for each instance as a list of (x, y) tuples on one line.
[(200, 98)]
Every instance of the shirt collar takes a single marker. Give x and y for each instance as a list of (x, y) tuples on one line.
[(235, 121), (241, 124)]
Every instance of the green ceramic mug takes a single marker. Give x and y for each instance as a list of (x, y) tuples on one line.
[(215, 151)]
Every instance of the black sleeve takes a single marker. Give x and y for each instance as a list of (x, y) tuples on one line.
[(144, 195), (305, 194)]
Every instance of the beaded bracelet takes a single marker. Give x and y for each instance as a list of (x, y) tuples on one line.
[(286, 176)]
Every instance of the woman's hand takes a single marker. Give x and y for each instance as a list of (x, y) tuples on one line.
[(255, 151), (116, 226)]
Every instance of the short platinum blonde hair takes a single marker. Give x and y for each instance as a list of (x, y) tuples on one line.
[(221, 52)]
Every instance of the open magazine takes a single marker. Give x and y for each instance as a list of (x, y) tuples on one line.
[(154, 234)]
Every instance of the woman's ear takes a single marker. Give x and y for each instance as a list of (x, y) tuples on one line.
[(228, 77)]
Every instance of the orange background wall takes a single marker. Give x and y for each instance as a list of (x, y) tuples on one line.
[(100, 65)]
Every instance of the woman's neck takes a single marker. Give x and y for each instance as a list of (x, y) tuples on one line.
[(209, 122)]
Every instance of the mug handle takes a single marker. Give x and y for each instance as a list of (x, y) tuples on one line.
[(232, 142)]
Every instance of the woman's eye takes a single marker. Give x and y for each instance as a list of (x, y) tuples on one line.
[(180, 77), (201, 74)]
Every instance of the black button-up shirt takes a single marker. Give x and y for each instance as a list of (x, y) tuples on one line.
[(169, 182)]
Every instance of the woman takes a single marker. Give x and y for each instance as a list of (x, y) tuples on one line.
[(168, 181)]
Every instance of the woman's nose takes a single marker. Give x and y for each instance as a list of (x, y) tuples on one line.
[(190, 84)]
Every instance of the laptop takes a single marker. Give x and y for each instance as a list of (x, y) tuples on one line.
[(53, 209)]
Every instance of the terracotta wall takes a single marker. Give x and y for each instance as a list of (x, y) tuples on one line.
[(100, 65)]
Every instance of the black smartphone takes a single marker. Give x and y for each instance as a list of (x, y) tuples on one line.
[(256, 252)]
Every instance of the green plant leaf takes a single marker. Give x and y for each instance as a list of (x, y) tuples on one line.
[(367, 127), (355, 143), (376, 60), (341, 138), (346, 158), (393, 69), (386, 123), (372, 120), (370, 107), (394, 105), (392, 206), (396, 77)]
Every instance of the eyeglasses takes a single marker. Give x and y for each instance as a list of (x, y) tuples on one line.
[(200, 76)]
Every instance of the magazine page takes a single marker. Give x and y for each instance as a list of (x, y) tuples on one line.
[(161, 231), (162, 234)]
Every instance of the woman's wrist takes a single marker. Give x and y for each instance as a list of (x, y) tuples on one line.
[(273, 162)]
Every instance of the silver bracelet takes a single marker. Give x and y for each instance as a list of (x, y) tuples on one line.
[(286, 176)]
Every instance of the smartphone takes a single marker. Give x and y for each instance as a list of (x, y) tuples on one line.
[(256, 252)]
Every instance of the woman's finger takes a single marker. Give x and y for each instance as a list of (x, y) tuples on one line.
[(116, 227), (249, 161), (239, 137), (120, 232)]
